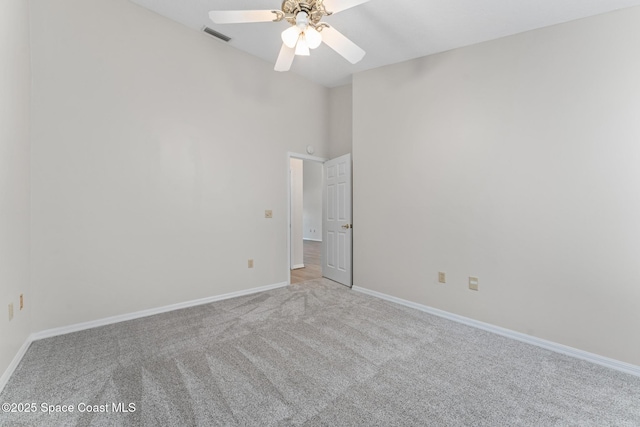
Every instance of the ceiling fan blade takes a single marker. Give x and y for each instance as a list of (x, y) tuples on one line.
[(336, 6), (345, 47), (241, 16), (285, 59)]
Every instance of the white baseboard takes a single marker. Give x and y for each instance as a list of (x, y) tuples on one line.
[(150, 312), (539, 342), (297, 266), (121, 318), (312, 240), (4, 379)]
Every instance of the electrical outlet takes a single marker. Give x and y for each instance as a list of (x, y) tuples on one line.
[(442, 277), (10, 312), (21, 301), (473, 283), (250, 263), (268, 214)]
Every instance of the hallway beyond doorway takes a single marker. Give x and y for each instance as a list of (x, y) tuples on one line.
[(312, 263)]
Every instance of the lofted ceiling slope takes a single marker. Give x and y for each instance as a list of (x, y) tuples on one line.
[(390, 31)]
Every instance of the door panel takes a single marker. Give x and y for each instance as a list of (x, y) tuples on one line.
[(337, 251), (331, 203), (330, 258)]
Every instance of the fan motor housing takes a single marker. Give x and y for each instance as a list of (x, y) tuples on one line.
[(314, 8)]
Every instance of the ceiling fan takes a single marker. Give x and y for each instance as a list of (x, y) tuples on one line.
[(306, 31)]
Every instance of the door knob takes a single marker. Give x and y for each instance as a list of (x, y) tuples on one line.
[(347, 226)]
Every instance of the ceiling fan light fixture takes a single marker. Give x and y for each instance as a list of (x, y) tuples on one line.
[(290, 36), (307, 30), (302, 48), (313, 37)]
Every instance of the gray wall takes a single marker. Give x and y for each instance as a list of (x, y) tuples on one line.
[(340, 121), (156, 150), (312, 202), (515, 161), (15, 77)]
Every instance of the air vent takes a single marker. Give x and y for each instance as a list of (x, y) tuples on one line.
[(216, 34)]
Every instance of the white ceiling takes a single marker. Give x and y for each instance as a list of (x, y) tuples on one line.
[(390, 31)]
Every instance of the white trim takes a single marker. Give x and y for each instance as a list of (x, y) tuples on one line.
[(14, 363), (121, 318), (150, 312), (312, 240), (297, 266), (539, 342), (291, 155)]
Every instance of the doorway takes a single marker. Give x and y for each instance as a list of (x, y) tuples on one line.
[(333, 236), (305, 213)]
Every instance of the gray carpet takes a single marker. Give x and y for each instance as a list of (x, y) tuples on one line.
[(312, 354)]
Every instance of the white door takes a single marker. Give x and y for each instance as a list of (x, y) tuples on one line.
[(336, 220)]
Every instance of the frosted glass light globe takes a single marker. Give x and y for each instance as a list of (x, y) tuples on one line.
[(302, 48), (290, 36), (313, 37)]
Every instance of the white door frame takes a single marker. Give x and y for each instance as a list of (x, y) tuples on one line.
[(291, 155)]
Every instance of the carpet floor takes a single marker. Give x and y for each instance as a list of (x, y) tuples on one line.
[(310, 354)]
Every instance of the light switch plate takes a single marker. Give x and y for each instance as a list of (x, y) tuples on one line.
[(268, 214), (473, 283), (442, 277)]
